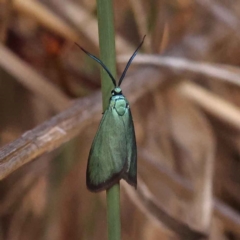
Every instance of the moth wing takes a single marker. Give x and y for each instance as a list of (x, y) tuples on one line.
[(107, 160), (131, 173)]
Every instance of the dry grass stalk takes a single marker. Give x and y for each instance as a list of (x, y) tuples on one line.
[(32, 80), (46, 18)]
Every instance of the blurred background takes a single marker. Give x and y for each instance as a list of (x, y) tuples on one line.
[(184, 94)]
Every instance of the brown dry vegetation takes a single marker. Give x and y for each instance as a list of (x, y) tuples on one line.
[(184, 94)]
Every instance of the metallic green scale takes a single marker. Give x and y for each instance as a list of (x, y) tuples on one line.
[(113, 155)]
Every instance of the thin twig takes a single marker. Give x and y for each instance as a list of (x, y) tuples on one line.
[(229, 217), (219, 71), (165, 38), (211, 103)]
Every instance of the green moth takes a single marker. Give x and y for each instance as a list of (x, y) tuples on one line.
[(113, 155)]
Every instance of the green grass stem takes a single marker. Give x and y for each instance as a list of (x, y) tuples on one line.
[(108, 56)]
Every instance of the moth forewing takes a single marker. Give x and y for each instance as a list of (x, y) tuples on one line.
[(124, 112), (114, 147), (107, 160), (131, 174)]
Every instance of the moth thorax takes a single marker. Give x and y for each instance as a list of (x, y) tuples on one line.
[(116, 91)]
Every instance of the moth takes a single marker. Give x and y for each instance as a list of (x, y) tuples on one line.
[(113, 154)]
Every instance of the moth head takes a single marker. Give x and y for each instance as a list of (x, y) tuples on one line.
[(116, 91)]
